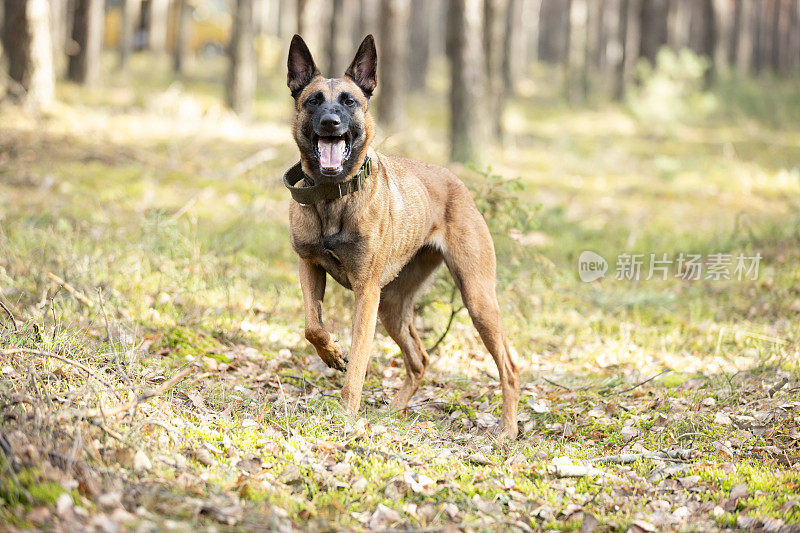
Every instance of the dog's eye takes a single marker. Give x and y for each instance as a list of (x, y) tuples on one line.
[(348, 100), (314, 100)]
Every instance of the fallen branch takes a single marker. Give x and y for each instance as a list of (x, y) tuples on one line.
[(251, 162), (678, 455), (648, 380), (15, 352), (10, 316), (127, 406), (72, 290)]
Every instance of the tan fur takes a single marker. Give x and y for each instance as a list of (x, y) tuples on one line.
[(383, 242)]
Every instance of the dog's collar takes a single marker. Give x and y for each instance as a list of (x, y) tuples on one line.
[(313, 193)]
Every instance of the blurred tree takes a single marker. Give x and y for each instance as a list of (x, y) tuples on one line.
[(758, 37), (28, 46), (419, 45), (241, 84), (621, 80), (87, 42), (59, 29), (494, 25), (184, 19), (553, 30), (159, 22), (336, 60), (466, 89), (392, 67), (300, 14), (512, 46), (742, 38), (131, 13), (653, 28), (775, 30)]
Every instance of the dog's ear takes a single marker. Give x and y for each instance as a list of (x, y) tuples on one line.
[(301, 66), (364, 68)]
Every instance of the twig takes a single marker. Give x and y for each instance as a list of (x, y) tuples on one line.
[(551, 382), (453, 312), (648, 380), (18, 351), (10, 316), (127, 406), (72, 290), (309, 382), (679, 455)]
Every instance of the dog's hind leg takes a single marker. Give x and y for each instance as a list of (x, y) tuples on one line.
[(396, 312), (469, 255)]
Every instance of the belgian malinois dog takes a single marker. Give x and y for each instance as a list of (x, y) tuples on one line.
[(380, 226)]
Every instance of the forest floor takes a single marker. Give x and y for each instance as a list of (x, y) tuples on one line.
[(156, 375)]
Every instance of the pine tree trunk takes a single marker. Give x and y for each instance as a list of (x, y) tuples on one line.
[(680, 18), (159, 21), (131, 12), (622, 36), (653, 17), (241, 84), (392, 47), (300, 13), (335, 65), (494, 23), (553, 41), (87, 36), (28, 46), (511, 46), (464, 51), (775, 46), (181, 36), (419, 47)]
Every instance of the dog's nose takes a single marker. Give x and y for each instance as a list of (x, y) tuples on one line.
[(330, 120)]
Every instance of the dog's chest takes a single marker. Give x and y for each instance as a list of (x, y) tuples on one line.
[(339, 250)]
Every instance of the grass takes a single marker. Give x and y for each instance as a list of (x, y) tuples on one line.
[(127, 194)]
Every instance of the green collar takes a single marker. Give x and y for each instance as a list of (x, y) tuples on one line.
[(312, 193)]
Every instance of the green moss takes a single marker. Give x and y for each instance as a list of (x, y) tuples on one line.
[(28, 489), (182, 341)]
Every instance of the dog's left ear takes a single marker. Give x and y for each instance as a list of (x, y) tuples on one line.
[(364, 68), (301, 66)]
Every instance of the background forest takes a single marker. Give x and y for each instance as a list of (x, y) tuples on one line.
[(153, 370)]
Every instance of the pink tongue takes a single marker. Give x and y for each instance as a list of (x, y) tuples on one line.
[(331, 153)]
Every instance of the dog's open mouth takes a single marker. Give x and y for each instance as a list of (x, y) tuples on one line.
[(332, 152)]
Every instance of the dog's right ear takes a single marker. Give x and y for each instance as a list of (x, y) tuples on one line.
[(301, 66), (364, 68)]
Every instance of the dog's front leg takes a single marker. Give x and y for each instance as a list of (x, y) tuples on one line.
[(365, 314), (312, 281)]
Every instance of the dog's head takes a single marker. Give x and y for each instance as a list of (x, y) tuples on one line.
[(332, 124)]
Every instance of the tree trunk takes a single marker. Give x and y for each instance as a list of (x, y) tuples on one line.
[(775, 45), (131, 12), (419, 47), (60, 26), (531, 34), (553, 41), (181, 36), (723, 17), (653, 24), (511, 46), (622, 36), (494, 22), (241, 84), (300, 17), (680, 19), (27, 44), (159, 22), (87, 36), (758, 40), (335, 57), (464, 51), (392, 48), (600, 37)]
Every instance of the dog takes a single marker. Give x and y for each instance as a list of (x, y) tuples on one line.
[(381, 226)]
